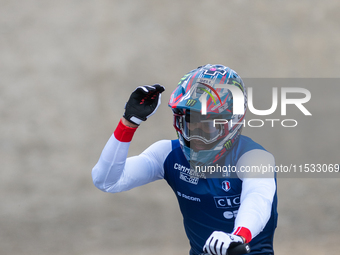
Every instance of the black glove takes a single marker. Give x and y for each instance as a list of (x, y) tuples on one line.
[(143, 103)]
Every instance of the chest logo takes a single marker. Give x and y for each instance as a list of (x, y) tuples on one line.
[(188, 175), (226, 186), (227, 201)]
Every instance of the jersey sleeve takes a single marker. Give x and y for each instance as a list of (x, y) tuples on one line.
[(257, 194), (114, 172)]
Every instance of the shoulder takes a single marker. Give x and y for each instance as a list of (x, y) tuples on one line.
[(162, 149), (157, 152), (252, 157), (246, 143), (256, 157), (251, 150), (167, 145), (159, 147)]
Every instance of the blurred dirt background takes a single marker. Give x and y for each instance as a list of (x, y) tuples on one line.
[(66, 71)]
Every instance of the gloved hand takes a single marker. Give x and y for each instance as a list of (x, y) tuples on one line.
[(143, 103), (219, 242)]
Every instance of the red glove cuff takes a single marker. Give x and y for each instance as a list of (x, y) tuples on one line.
[(124, 133), (244, 232)]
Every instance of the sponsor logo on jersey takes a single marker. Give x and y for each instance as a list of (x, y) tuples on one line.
[(226, 186), (230, 214), (188, 175), (227, 201), (195, 199), (187, 178)]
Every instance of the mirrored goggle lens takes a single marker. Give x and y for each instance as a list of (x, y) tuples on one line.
[(203, 130)]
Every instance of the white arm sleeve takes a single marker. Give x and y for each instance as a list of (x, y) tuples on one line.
[(257, 191), (114, 172)]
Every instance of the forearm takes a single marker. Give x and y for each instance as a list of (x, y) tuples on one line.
[(114, 172), (111, 164), (256, 206), (258, 190)]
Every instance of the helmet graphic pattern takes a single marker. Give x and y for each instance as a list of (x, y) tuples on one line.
[(202, 95)]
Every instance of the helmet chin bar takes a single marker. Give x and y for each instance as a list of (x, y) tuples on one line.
[(203, 131), (195, 147)]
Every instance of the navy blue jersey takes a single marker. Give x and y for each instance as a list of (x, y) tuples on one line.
[(239, 201), (210, 204)]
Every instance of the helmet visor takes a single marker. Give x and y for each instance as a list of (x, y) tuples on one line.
[(197, 127)]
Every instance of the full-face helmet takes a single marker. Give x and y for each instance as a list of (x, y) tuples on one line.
[(202, 105)]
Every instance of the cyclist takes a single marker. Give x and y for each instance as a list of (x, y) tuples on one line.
[(222, 206)]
